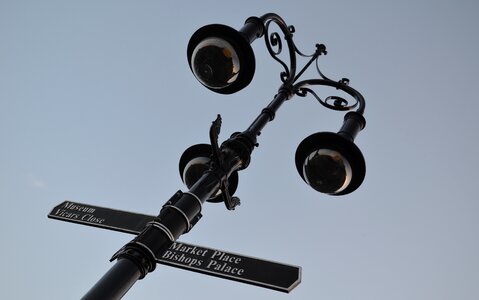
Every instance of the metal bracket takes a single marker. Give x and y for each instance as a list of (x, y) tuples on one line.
[(217, 160), (171, 203)]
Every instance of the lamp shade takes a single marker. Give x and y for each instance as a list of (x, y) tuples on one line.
[(330, 163), (194, 162), (221, 58)]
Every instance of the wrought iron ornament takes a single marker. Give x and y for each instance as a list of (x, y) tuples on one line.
[(290, 77)]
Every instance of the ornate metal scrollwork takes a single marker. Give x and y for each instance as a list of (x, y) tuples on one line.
[(289, 76), (274, 45), (331, 102)]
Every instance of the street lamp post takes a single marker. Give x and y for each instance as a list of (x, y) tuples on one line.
[(221, 58)]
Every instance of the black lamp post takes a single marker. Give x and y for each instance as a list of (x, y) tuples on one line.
[(221, 58)]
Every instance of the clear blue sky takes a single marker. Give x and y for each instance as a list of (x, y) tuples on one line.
[(97, 103)]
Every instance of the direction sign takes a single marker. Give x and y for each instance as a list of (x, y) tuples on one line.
[(102, 217), (246, 269), (264, 273)]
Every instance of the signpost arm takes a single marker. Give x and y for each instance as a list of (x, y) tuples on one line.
[(194, 258)]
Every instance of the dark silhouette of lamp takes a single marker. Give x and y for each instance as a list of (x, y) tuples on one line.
[(193, 164), (221, 57), (330, 162)]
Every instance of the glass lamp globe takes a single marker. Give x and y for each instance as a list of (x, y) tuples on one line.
[(215, 63), (221, 58), (194, 162), (327, 171), (194, 169), (330, 163)]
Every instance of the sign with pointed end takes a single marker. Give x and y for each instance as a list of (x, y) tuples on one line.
[(219, 263), (246, 269)]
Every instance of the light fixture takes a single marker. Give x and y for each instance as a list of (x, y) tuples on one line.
[(221, 57), (193, 164), (330, 162)]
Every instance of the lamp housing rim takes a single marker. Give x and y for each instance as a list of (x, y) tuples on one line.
[(241, 46), (205, 150), (333, 141)]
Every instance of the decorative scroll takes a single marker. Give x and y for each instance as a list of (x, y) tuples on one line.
[(274, 45), (331, 102), (289, 77)]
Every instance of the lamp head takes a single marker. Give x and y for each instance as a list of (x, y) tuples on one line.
[(330, 163), (221, 58), (194, 162)]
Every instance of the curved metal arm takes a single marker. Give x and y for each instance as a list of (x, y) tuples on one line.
[(289, 77), (275, 45), (332, 102)]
